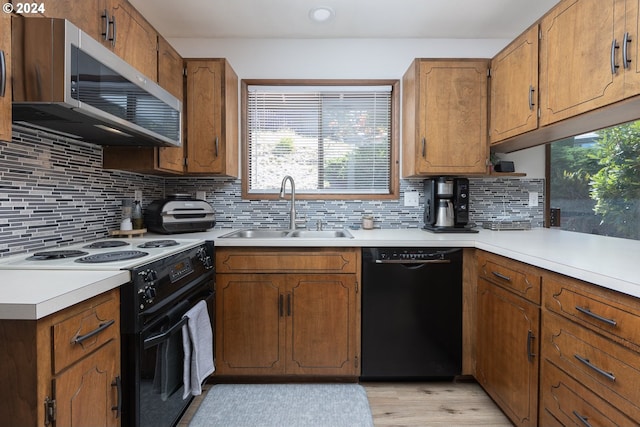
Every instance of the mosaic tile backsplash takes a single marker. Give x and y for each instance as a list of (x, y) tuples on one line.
[(53, 192)]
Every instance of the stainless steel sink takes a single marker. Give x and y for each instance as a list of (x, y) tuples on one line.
[(258, 233), (321, 234)]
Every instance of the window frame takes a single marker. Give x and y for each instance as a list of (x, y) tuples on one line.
[(394, 161)]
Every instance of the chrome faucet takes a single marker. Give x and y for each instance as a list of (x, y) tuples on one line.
[(292, 212)]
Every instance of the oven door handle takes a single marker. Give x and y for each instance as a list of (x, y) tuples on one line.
[(164, 336)]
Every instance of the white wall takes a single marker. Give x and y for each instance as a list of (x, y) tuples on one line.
[(331, 58), (346, 59)]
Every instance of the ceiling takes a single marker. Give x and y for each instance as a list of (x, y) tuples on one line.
[(456, 19)]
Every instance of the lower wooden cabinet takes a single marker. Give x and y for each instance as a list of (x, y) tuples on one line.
[(287, 323), (591, 355), (507, 351), (63, 370)]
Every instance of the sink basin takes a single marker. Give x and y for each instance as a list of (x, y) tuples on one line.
[(280, 234), (256, 234), (321, 234)]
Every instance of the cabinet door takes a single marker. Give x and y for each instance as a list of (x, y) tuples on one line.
[(85, 393), (321, 325), (90, 18), (249, 324), (135, 40), (632, 28), (204, 116), (507, 351), (514, 88), (452, 117), (5, 76), (171, 78), (580, 65)]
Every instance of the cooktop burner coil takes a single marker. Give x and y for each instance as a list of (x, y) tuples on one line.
[(47, 255), (106, 244), (112, 256), (158, 243)]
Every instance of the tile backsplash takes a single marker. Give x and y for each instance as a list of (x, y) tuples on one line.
[(53, 191)]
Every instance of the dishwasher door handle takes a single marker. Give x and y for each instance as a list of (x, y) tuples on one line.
[(413, 261)]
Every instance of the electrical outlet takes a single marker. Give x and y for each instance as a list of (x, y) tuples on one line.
[(533, 199), (411, 198), (137, 195)]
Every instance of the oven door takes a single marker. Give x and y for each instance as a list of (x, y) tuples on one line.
[(158, 365)]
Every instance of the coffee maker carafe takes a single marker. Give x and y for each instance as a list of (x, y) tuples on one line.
[(446, 205)]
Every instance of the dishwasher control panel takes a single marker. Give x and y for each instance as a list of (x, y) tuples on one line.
[(411, 254)]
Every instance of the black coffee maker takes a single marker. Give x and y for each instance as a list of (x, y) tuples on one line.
[(446, 205)]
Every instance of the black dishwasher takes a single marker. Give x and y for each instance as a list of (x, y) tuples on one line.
[(411, 313)]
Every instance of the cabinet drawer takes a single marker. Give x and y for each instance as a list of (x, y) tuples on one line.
[(611, 313), (520, 278), (565, 401), (88, 326), (608, 369), (289, 260)]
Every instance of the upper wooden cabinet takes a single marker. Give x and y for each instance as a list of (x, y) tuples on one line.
[(514, 88), (444, 125), (5, 76), (588, 57), (211, 117), (117, 25), (154, 160)]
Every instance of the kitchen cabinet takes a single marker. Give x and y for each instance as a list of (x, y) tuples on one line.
[(212, 117), (591, 355), (5, 77), (588, 57), (154, 160), (508, 323), (444, 124), (514, 88), (287, 312), (63, 369), (118, 25)]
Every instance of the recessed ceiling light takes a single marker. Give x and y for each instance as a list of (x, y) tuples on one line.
[(321, 14)]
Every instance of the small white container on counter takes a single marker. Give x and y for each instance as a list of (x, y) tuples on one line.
[(367, 222)]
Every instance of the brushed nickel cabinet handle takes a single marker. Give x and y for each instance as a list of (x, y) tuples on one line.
[(3, 74), (216, 146), (117, 383), (625, 50), (531, 103), (530, 353), (501, 276), (584, 420), (588, 312), (107, 24), (80, 338), (586, 362), (614, 46)]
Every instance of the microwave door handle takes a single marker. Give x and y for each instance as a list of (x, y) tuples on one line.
[(163, 336)]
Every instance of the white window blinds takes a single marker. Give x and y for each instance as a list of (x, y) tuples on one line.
[(330, 139)]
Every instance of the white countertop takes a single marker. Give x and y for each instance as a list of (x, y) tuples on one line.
[(605, 261), (34, 294)]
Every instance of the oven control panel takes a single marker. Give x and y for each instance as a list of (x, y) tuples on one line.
[(180, 269)]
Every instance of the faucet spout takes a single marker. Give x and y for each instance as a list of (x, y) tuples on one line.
[(292, 212)]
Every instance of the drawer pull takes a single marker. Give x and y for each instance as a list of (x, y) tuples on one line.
[(80, 338), (608, 375), (583, 419), (501, 276), (596, 316)]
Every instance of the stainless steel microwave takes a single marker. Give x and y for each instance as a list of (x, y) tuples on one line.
[(66, 82)]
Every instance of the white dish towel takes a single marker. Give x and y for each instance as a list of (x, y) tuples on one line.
[(197, 341)]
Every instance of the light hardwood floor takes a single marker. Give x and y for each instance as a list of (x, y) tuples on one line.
[(430, 404)]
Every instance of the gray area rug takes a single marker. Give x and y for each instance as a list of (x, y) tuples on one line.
[(284, 405)]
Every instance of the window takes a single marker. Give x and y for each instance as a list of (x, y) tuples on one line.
[(336, 139), (594, 181)]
